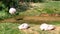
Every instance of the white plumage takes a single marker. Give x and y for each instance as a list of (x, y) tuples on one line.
[(45, 26), (12, 10), (23, 26), (50, 27)]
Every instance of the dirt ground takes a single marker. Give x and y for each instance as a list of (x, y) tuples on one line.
[(49, 18), (34, 18)]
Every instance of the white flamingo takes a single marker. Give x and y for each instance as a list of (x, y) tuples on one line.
[(51, 27), (23, 26), (45, 26), (12, 10)]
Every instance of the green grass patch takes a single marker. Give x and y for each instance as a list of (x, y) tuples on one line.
[(36, 10), (47, 7), (9, 28), (12, 28)]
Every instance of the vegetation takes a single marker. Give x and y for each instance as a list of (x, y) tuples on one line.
[(38, 8), (27, 9), (12, 28)]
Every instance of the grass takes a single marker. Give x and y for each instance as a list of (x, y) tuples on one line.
[(35, 10), (12, 28), (38, 8), (49, 7), (9, 28)]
